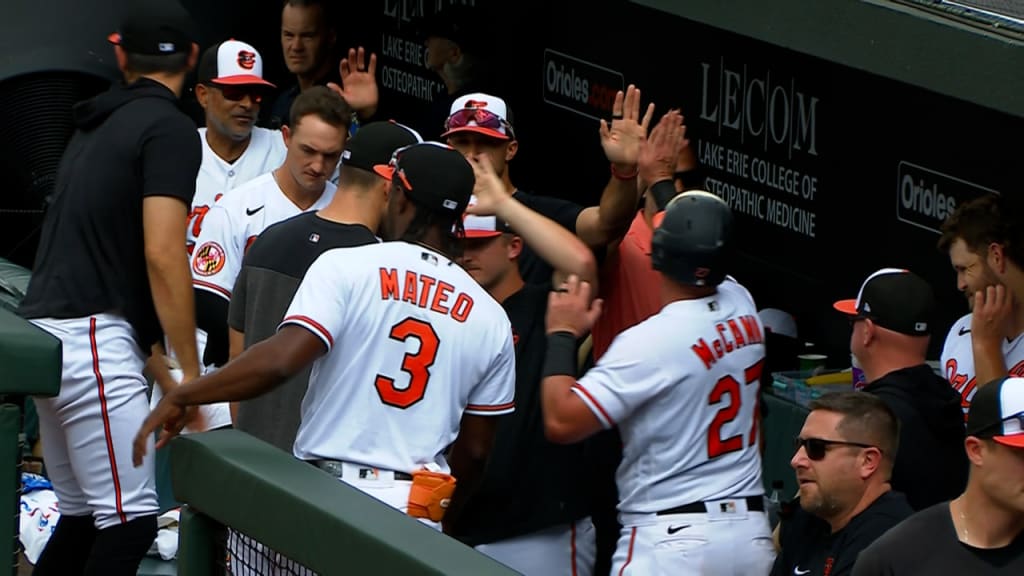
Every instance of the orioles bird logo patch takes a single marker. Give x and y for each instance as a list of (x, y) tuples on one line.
[(246, 59), (208, 259), (476, 104)]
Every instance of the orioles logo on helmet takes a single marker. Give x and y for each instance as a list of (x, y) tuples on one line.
[(476, 104), (246, 59)]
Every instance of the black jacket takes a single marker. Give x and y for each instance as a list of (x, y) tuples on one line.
[(931, 465)]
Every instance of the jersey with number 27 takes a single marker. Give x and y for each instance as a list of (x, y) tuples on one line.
[(412, 342), (683, 386)]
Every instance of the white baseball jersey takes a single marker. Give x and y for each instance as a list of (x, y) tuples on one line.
[(958, 359), (682, 386), (233, 223), (413, 343), (266, 151)]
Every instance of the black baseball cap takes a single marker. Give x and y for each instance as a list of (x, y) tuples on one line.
[(155, 27), (896, 299), (997, 412), (436, 176), (375, 143)]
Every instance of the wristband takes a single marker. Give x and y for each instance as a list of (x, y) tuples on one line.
[(560, 358), (663, 191), (629, 176)]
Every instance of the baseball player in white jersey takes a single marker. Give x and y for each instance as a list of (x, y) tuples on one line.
[(989, 266), (315, 144), (230, 89), (410, 355), (682, 387)]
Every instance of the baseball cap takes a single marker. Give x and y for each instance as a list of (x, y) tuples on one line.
[(436, 176), (475, 226), (997, 412), (895, 299), (480, 113), (233, 63), (376, 142), (155, 28)]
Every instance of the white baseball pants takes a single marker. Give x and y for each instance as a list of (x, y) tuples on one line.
[(568, 550), (734, 543), (88, 429)]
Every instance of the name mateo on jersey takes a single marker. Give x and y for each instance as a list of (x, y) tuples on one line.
[(733, 334), (424, 291)]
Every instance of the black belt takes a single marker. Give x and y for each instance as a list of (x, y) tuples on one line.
[(334, 468), (754, 503)]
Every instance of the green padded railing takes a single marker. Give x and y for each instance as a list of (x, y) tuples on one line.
[(229, 478), (30, 364)]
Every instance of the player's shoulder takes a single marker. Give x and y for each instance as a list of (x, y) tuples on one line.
[(267, 138)]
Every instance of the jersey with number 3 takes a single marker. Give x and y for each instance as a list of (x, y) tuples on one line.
[(412, 342), (682, 386), (958, 359)]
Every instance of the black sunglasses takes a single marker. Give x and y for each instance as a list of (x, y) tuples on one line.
[(817, 447)]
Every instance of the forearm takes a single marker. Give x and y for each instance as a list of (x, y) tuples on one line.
[(156, 368), (171, 286), (256, 371), (618, 205), (553, 243), (989, 363)]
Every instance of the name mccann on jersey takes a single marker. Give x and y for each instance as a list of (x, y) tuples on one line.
[(744, 331), (425, 292)]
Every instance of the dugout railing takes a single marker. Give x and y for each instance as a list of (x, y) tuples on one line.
[(229, 479), (30, 361)]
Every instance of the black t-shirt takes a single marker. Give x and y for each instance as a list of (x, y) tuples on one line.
[(927, 544), (532, 268), (931, 465), (279, 113), (810, 549), (271, 273), (530, 483), (130, 143)]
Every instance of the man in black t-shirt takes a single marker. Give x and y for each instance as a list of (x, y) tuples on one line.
[(890, 324), (482, 124), (277, 261), (532, 510), (981, 532), (110, 279), (843, 461)]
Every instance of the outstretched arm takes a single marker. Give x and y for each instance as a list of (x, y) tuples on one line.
[(259, 369)]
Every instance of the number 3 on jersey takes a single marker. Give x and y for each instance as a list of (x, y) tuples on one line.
[(728, 386), (416, 365)]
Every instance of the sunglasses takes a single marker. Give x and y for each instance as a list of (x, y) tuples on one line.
[(238, 93), (816, 448), (477, 117)]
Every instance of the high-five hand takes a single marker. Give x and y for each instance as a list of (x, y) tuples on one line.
[(570, 308), (621, 139), (489, 190)]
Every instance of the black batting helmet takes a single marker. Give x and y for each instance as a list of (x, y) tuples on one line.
[(692, 244)]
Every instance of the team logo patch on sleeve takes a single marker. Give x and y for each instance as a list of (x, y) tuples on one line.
[(208, 259)]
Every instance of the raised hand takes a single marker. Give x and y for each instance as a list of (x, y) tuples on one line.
[(659, 153), (570, 308), (992, 315), (359, 82), (622, 138), (489, 190)]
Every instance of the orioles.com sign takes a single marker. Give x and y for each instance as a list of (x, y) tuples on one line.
[(580, 86)]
